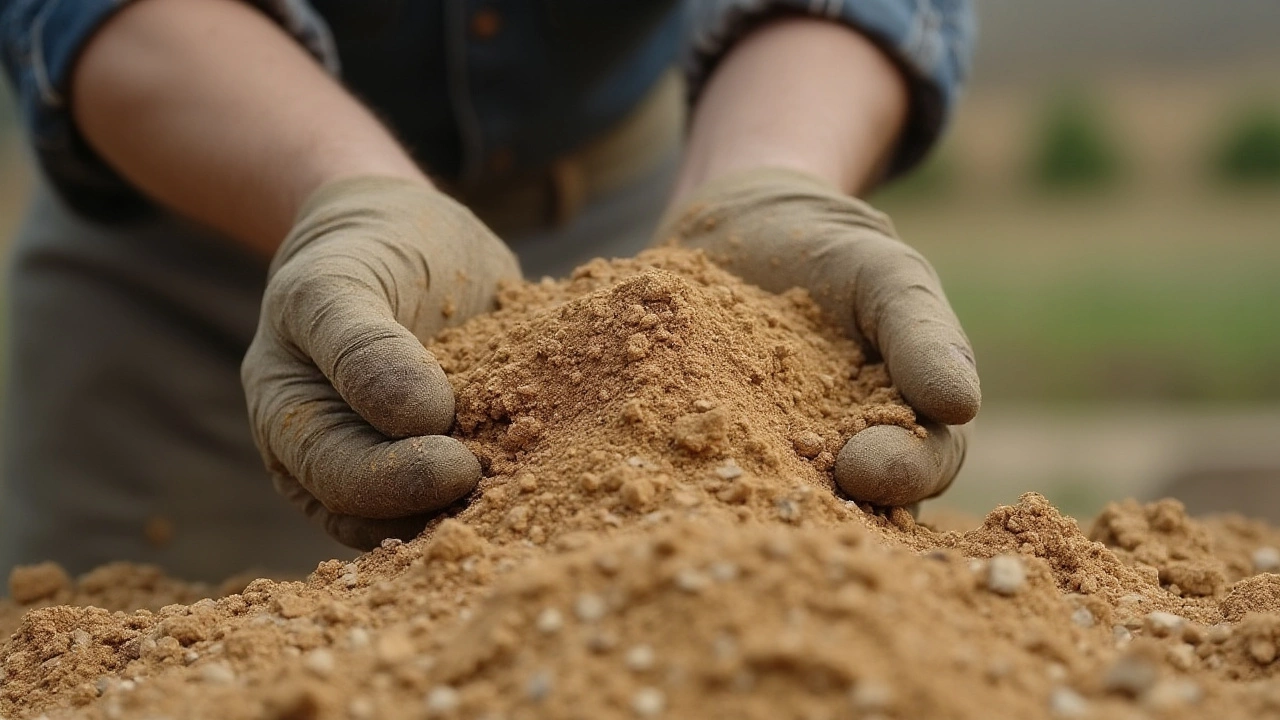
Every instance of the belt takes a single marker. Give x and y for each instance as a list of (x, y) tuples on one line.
[(628, 151)]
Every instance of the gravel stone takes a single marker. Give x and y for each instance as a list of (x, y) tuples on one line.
[(871, 696), (1162, 624), (550, 620), (320, 661), (539, 686), (1067, 703), (1131, 676), (1006, 574), (648, 702), (1266, 559), (589, 607), (217, 673), (442, 700), (1083, 618), (640, 658)]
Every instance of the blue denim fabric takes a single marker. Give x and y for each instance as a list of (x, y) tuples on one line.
[(477, 105)]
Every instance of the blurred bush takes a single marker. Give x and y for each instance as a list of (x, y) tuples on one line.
[(1072, 148), (1249, 151)]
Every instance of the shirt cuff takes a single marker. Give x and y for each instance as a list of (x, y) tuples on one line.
[(931, 41), (40, 41)]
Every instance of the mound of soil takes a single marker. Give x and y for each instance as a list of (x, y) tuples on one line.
[(658, 535)]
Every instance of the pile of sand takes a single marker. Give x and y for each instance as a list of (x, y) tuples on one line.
[(658, 535)]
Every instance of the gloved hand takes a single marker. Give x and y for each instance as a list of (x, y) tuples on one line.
[(346, 405), (779, 229)]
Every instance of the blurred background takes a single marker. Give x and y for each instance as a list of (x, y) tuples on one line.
[(1105, 215)]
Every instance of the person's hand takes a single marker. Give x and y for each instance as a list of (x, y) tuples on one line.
[(779, 229), (346, 405)]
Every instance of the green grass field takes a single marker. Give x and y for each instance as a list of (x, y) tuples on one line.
[(1123, 297)]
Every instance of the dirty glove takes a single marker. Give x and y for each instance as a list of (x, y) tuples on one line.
[(346, 405), (780, 229)]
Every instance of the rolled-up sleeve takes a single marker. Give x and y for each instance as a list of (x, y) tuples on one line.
[(40, 41), (931, 41)]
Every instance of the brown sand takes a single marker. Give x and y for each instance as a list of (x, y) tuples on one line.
[(657, 535)]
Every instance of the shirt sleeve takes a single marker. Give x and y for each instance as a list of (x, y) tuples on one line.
[(40, 41), (931, 41)]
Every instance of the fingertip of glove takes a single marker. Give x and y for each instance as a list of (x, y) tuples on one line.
[(451, 468), (887, 465), (398, 388), (941, 385), (953, 402)]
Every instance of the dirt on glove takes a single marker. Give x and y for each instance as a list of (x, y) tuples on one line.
[(658, 535)]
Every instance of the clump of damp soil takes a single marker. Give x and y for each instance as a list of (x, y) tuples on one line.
[(657, 535)]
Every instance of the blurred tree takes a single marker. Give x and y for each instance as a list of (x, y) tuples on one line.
[(1072, 149), (1249, 151)]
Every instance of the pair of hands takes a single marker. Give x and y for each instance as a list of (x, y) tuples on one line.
[(349, 409)]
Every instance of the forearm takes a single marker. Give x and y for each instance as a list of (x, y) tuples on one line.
[(799, 93), (211, 110)]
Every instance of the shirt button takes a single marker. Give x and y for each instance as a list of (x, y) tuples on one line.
[(486, 23)]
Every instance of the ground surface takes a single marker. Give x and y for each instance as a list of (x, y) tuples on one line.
[(669, 544)]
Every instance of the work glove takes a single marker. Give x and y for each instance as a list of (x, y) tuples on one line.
[(346, 405), (780, 229)]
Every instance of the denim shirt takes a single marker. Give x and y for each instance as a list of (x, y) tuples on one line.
[(478, 90)]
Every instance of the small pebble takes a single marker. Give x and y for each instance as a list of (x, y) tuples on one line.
[(691, 581), (640, 658), (648, 702), (1162, 624), (1130, 675), (1262, 650), (442, 700), (1006, 574), (358, 638), (80, 637), (217, 673), (723, 571), (550, 621), (871, 696), (1172, 694), (602, 642), (539, 686), (1219, 633), (589, 607), (788, 510), (729, 471), (361, 708), (350, 575), (1182, 656), (1266, 559), (1082, 617), (320, 661), (608, 564), (1067, 703), (393, 649)]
